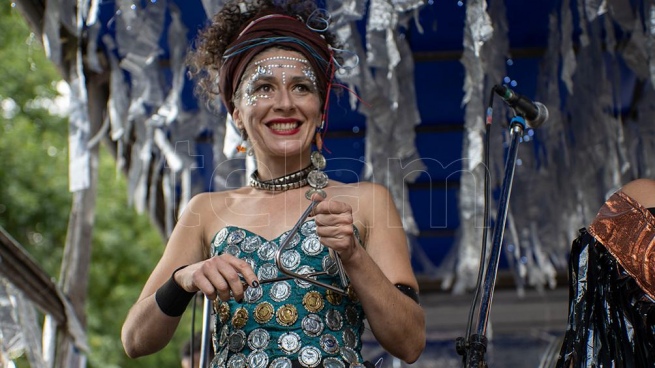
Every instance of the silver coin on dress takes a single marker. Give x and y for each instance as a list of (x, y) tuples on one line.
[(236, 237), (220, 237), (304, 270), (289, 342), (290, 259), (312, 245), (349, 338), (293, 242), (251, 244), (267, 251), (309, 356), (236, 341), (257, 359), (334, 320), (233, 250), (225, 333), (237, 361), (329, 344), (253, 294), (267, 271), (280, 291), (258, 339), (281, 362), (312, 325), (221, 357), (330, 265), (308, 228), (332, 362), (351, 315)]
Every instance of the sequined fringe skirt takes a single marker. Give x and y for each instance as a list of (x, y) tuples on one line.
[(611, 321)]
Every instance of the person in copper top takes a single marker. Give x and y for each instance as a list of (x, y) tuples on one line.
[(611, 319), (273, 67)]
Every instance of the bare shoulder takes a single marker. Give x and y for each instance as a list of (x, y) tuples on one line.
[(202, 202), (207, 208), (641, 190)]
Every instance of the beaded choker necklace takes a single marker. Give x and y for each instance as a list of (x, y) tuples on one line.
[(294, 180)]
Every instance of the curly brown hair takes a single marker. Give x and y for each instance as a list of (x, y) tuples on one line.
[(206, 57)]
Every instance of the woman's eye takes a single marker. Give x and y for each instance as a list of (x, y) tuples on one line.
[(264, 88), (302, 88)]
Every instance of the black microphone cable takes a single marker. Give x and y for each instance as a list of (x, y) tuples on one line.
[(487, 195)]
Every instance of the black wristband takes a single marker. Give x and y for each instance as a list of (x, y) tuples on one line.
[(409, 291), (171, 298)]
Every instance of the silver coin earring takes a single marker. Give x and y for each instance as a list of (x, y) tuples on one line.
[(316, 178)]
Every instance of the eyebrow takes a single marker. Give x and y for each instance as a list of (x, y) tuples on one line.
[(294, 79)]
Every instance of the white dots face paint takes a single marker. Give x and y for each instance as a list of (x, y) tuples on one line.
[(271, 74)]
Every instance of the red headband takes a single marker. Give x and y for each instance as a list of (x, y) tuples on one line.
[(253, 39)]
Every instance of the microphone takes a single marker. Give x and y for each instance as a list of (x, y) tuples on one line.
[(535, 113)]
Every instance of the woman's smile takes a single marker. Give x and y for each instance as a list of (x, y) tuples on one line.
[(284, 126)]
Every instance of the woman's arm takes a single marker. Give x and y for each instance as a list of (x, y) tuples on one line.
[(642, 191), (147, 329), (396, 320)]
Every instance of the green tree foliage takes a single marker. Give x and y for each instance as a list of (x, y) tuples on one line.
[(35, 201)]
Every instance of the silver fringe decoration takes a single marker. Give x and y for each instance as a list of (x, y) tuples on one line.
[(146, 115), (477, 32)]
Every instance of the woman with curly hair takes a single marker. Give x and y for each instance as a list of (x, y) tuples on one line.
[(284, 295)]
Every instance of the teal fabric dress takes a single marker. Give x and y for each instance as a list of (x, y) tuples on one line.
[(286, 323)]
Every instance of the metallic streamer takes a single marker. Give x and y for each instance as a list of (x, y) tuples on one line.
[(118, 103), (568, 55), (139, 166), (18, 328), (583, 37), (407, 5), (79, 129), (177, 42), (92, 12), (550, 161), (594, 8), (391, 156), (635, 53), (138, 42), (345, 11), (622, 12), (477, 31), (51, 37), (92, 60)]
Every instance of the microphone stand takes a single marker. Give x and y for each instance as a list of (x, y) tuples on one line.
[(205, 343), (476, 345)]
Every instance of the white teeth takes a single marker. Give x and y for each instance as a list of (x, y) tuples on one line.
[(283, 126)]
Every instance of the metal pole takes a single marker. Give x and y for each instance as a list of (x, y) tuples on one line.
[(478, 342), (205, 343)]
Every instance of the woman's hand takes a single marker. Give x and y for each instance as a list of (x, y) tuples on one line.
[(334, 226), (223, 277)]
